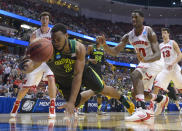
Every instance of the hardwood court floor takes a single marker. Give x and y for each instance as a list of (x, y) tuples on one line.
[(89, 122)]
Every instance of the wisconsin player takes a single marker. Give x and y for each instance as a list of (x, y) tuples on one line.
[(68, 65), (171, 72), (41, 72), (145, 43), (96, 60)]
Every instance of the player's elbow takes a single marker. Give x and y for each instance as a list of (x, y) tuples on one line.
[(180, 56), (158, 56)]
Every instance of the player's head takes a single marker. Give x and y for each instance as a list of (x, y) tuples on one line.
[(137, 18), (165, 33), (45, 18), (97, 40), (59, 35)]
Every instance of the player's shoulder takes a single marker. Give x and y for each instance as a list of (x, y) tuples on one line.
[(173, 41), (79, 45), (129, 33), (148, 27)]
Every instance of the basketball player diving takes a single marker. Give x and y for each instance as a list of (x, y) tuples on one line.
[(70, 71)]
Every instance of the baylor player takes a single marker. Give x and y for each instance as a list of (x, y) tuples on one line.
[(68, 66), (96, 60)]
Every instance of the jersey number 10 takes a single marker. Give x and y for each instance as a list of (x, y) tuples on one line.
[(142, 50)]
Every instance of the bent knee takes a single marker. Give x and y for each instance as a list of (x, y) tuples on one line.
[(135, 75)]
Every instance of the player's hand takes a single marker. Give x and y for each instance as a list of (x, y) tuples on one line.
[(139, 57), (170, 67), (26, 65), (93, 61), (69, 107), (167, 90)]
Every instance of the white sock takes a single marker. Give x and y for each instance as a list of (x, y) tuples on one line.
[(140, 97)]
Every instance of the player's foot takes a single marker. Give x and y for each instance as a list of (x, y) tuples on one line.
[(131, 109), (51, 123), (160, 106), (52, 113), (101, 113), (139, 115), (150, 109)]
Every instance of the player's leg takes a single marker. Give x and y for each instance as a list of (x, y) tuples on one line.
[(51, 88), (161, 83), (31, 81), (85, 96), (177, 79), (22, 92), (166, 107), (99, 103), (138, 88), (177, 104), (92, 81), (52, 94)]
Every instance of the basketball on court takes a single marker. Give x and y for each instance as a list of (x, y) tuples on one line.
[(40, 50)]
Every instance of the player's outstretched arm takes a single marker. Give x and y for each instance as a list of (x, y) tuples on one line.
[(77, 79), (114, 51), (155, 47)]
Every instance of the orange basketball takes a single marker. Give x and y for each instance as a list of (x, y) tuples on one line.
[(40, 50)]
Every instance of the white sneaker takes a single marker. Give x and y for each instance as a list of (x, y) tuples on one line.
[(52, 113), (51, 123), (139, 115), (160, 106)]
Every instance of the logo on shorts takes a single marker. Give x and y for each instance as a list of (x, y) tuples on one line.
[(27, 106), (58, 55)]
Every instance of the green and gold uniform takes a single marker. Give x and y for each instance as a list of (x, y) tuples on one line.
[(62, 65), (98, 55), (172, 92)]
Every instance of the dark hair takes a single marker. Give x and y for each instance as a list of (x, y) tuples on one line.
[(165, 29), (139, 12), (59, 27), (45, 14)]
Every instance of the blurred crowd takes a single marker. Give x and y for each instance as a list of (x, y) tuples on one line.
[(78, 23)]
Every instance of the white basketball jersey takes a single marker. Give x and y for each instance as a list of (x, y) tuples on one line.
[(141, 42), (39, 34), (168, 53)]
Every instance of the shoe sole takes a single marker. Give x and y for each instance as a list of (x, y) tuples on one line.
[(142, 119)]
